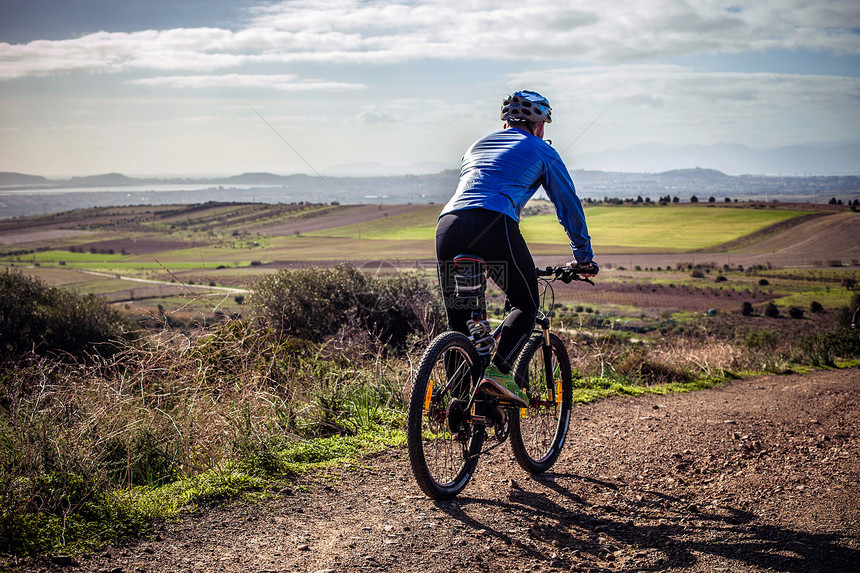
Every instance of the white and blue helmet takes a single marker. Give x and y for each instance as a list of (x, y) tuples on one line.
[(526, 106)]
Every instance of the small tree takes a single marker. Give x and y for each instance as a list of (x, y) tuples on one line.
[(771, 310), (694, 199), (815, 306), (746, 308), (795, 312)]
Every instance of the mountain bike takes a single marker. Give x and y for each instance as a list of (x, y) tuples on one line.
[(450, 419)]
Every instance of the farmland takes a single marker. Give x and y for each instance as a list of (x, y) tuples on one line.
[(657, 260)]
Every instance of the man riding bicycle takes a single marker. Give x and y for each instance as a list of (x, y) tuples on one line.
[(500, 173)]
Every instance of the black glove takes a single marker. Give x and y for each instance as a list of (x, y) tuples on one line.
[(589, 268)]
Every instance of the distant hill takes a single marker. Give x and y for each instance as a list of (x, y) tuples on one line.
[(8, 179), (106, 179), (258, 179), (734, 159), (695, 174)]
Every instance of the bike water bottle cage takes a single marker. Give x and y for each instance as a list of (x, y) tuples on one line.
[(470, 276)]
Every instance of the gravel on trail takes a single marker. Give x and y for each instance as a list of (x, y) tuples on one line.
[(760, 474)]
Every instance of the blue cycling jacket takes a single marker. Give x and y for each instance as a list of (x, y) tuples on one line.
[(502, 171)]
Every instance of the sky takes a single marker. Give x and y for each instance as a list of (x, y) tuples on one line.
[(212, 87)]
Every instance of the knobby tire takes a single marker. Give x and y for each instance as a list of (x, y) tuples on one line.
[(538, 433), (443, 465)]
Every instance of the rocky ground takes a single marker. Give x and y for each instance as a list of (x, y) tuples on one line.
[(758, 475)]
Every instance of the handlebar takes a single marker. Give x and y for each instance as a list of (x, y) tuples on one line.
[(562, 273)]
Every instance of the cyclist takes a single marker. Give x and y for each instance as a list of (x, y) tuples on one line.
[(499, 174)]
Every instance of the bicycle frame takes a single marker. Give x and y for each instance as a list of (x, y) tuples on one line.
[(471, 283)]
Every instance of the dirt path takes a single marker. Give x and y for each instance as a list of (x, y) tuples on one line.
[(758, 475)]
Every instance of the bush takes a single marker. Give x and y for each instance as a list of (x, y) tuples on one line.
[(845, 314), (316, 303), (761, 339), (720, 279), (642, 369), (746, 308), (697, 274), (49, 321), (795, 312), (771, 310), (815, 306), (826, 348), (763, 282)]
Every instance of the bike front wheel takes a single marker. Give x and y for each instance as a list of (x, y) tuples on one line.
[(443, 443), (538, 432)]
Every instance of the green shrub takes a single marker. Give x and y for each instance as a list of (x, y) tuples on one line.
[(816, 306), (763, 282), (845, 314), (795, 312), (826, 348), (761, 339), (746, 308), (720, 279), (49, 321), (316, 303), (771, 310)]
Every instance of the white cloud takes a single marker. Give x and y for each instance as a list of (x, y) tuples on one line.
[(370, 117), (395, 31), (676, 103), (282, 82)]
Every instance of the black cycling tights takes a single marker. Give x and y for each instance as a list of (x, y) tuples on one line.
[(495, 238)]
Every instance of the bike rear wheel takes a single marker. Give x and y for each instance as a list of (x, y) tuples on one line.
[(443, 445), (538, 432)]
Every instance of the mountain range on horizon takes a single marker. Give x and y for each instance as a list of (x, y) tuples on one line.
[(808, 159)]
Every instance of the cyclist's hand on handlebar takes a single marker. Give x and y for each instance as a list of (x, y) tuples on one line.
[(587, 270)]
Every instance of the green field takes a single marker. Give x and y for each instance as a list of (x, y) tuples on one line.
[(659, 228), (416, 226), (649, 229)]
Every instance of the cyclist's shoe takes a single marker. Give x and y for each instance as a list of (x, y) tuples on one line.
[(503, 386)]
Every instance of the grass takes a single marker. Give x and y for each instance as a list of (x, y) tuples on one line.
[(659, 229), (829, 298), (600, 388), (93, 453), (417, 225), (116, 514)]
